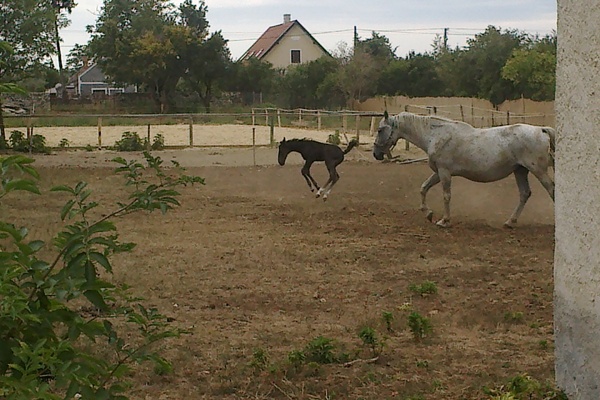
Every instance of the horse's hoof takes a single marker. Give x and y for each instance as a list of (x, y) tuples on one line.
[(430, 216), (324, 198), (509, 224), (442, 223)]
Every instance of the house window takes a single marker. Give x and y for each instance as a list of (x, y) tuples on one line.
[(295, 56)]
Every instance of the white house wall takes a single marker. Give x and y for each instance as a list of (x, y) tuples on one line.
[(295, 39)]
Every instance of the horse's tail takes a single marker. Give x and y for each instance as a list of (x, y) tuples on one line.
[(552, 135), (353, 143)]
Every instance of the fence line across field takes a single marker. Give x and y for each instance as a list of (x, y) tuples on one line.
[(316, 124)]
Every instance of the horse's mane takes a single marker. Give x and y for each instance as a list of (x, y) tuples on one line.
[(419, 123)]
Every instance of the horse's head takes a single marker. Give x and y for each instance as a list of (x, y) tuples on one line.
[(284, 150), (384, 139)]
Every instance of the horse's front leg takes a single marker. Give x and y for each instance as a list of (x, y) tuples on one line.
[(309, 179), (446, 179), (433, 180)]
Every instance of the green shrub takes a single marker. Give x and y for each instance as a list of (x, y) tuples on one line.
[(18, 142), (130, 141), (50, 346), (321, 350), (427, 287), (419, 326), (334, 138), (158, 143)]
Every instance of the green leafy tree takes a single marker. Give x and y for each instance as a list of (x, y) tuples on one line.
[(532, 69), (311, 84), (209, 69), (61, 21), (414, 76), (28, 27), (144, 42), (253, 76), (478, 69), (52, 344)]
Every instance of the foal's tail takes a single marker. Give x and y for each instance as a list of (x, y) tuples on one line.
[(552, 135), (353, 143)]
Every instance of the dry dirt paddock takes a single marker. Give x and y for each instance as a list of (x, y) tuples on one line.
[(257, 268)]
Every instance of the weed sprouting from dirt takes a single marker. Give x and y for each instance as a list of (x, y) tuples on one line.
[(425, 288), (388, 318), (419, 326)]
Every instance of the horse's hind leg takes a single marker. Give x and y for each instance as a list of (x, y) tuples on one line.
[(333, 178), (545, 180), (433, 180), (521, 176)]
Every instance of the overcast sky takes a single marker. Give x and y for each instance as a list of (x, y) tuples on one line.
[(409, 24)]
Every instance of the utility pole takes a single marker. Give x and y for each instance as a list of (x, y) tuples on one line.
[(445, 39), (355, 39)]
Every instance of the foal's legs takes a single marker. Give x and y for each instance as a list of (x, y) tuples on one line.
[(524, 194), (433, 180), (309, 179), (333, 178)]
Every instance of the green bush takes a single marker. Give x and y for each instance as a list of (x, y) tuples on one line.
[(159, 142), (419, 326), (50, 346), (130, 141), (18, 142)]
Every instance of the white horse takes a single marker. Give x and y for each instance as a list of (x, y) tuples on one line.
[(456, 148)]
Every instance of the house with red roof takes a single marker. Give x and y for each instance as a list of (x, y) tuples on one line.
[(286, 44)]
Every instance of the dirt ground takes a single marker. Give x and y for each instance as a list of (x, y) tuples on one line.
[(252, 261)]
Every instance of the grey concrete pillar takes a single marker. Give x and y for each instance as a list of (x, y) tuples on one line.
[(577, 252)]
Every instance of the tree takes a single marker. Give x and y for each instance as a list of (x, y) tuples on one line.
[(209, 67), (308, 84), (479, 65), (28, 27), (532, 69), (141, 42), (60, 21), (414, 76), (379, 47), (358, 76), (253, 76)]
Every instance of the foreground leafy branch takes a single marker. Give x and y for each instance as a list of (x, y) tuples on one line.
[(64, 330)]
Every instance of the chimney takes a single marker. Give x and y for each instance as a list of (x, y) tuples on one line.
[(287, 18), (85, 61)]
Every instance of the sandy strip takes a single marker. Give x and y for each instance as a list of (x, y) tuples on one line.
[(179, 135)]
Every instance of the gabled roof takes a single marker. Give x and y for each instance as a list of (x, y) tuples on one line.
[(271, 37)]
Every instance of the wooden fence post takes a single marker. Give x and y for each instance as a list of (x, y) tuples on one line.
[(99, 132), (254, 145), (279, 118), (357, 127), (266, 117), (148, 144), (372, 127), (253, 118), (272, 133), (319, 120), (508, 118), (344, 123), (462, 113), (191, 122)]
